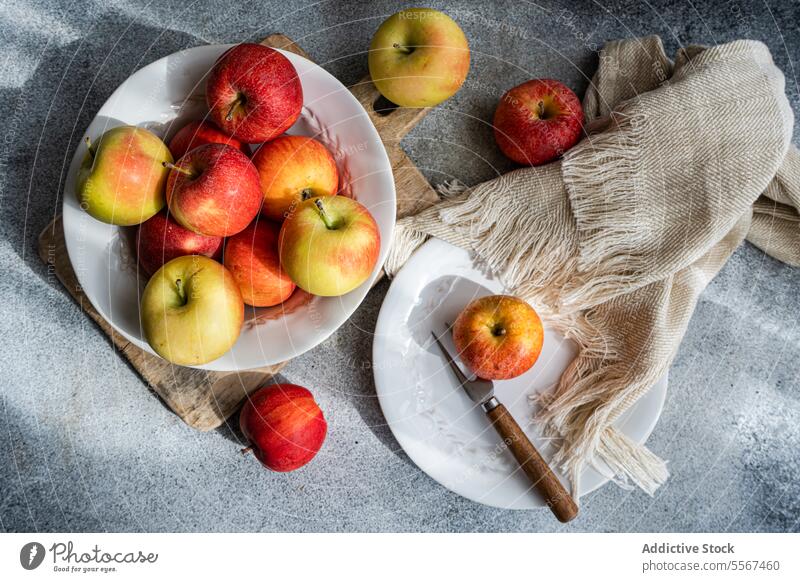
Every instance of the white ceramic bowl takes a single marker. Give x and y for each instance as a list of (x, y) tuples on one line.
[(162, 97)]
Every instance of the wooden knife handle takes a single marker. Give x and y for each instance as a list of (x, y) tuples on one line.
[(535, 467)]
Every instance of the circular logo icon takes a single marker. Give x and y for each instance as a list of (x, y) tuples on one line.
[(31, 555)]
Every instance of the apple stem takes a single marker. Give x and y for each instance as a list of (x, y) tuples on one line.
[(306, 193), (541, 109), (234, 105), (88, 141), (406, 49), (323, 214), (246, 450), (181, 292), (498, 330), (183, 171)]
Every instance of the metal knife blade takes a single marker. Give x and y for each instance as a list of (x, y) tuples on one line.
[(480, 391)]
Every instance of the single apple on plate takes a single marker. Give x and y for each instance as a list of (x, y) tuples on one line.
[(121, 179), (253, 93), (251, 256), (538, 121), (284, 425), (160, 239), (498, 337), (192, 311), (197, 133), (329, 245), (294, 168), (418, 58), (214, 190)]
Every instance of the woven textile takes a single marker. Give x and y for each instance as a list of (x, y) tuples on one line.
[(614, 243)]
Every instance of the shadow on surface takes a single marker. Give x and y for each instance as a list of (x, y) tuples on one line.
[(49, 113)]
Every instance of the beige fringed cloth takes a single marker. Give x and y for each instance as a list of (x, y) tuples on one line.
[(614, 243)]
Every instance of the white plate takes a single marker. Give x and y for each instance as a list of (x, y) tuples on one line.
[(434, 421), (171, 90)]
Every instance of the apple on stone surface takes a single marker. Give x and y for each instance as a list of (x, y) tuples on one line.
[(418, 58), (214, 190), (192, 311), (197, 133), (538, 121), (251, 256), (284, 425), (329, 245), (160, 239), (498, 337), (253, 93), (121, 179), (294, 168)]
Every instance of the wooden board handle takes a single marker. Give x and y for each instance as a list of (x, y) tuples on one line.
[(535, 467)]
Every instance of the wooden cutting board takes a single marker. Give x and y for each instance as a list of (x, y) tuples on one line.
[(204, 400)]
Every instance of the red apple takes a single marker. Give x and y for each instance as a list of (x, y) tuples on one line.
[(329, 245), (160, 239), (252, 258), (197, 133), (122, 176), (284, 425), (537, 122), (214, 190), (254, 93), (293, 168), (498, 337)]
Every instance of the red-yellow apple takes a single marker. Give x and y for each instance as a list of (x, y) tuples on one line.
[(254, 93), (197, 133), (498, 337), (293, 168), (121, 179), (538, 121), (329, 245), (160, 239), (214, 190), (284, 425), (252, 258), (192, 311), (418, 58)]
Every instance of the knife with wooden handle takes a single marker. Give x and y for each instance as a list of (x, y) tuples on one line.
[(535, 467)]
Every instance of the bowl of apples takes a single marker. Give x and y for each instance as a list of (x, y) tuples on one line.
[(230, 207)]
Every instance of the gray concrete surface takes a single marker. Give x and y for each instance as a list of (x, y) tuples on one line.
[(85, 447)]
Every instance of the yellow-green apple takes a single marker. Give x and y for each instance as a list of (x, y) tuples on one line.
[(214, 190), (538, 121), (329, 245), (254, 93), (418, 57), (160, 239), (197, 133), (498, 337), (294, 168), (121, 179), (284, 425), (192, 311), (252, 258)]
